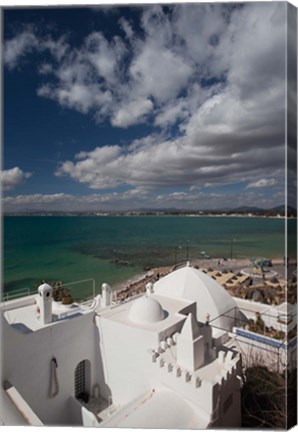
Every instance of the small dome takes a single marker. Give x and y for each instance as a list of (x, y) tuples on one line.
[(44, 288), (146, 310)]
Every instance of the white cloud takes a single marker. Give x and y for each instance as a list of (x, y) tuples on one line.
[(17, 47), (135, 199), (94, 168), (262, 183), (214, 72), (210, 23), (57, 48), (171, 112), (126, 27), (13, 177), (156, 162), (45, 69), (159, 72), (178, 50), (38, 199), (27, 42), (63, 201), (103, 55), (132, 112)]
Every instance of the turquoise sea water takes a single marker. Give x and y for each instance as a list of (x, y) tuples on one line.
[(73, 248)]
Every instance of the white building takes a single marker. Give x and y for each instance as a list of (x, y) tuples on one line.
[(150, 362)]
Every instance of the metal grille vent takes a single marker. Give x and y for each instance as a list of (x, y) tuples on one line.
[(80, 379)]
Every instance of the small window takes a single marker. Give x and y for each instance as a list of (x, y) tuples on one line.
[(80, 379)]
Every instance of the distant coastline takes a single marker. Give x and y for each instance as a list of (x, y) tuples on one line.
[(278, 212)]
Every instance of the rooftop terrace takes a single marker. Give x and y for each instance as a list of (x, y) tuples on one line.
[(23, 313)]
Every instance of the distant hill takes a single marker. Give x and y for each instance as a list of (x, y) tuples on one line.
[(282, 208), (291, 211)]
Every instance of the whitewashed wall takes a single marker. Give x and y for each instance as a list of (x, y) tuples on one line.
[(26, 364), (127, 362)]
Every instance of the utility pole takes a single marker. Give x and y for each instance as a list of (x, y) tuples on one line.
[(232, 244)]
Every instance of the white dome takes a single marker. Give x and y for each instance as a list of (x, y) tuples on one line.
[(191, 284), (146, 310)]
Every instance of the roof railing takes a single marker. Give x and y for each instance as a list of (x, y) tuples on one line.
[(10, 295), (82, 281), (25, 292)]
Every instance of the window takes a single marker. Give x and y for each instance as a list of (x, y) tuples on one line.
[(80, 379)]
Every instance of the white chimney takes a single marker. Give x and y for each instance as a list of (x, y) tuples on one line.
[(149, 288), (45, 303), (106, 295)]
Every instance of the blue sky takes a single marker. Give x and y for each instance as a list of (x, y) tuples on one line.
[(112, 108)]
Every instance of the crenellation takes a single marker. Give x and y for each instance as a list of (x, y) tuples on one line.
[(175, 337), (170, 341), (224, 374), (197, 382), (177, 370), (161, 362), (229, 356), (186, 375), (221, 356), (154, 356), (163, 345)]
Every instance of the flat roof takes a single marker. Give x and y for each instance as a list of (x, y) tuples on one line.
[(160, 408), (22, 313), (120, 312)]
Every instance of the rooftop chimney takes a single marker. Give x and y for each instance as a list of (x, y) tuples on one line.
[(45, 303)]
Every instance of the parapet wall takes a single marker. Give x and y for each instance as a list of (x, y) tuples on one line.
[(204, 393), (273, 353)]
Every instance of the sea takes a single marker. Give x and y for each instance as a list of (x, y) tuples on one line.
[(113, 249)]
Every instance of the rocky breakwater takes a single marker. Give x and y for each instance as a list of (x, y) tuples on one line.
[(138, 286)]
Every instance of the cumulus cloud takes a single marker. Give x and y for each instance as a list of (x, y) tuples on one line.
[(262, 183), (13, 177), (38, 198), (169, 73), (26, 42), (61, 201), (172, 112), (17, 47), (193, 44), (165, 163), (126, 27), (212, 73), (94, 168), (133, 112)]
